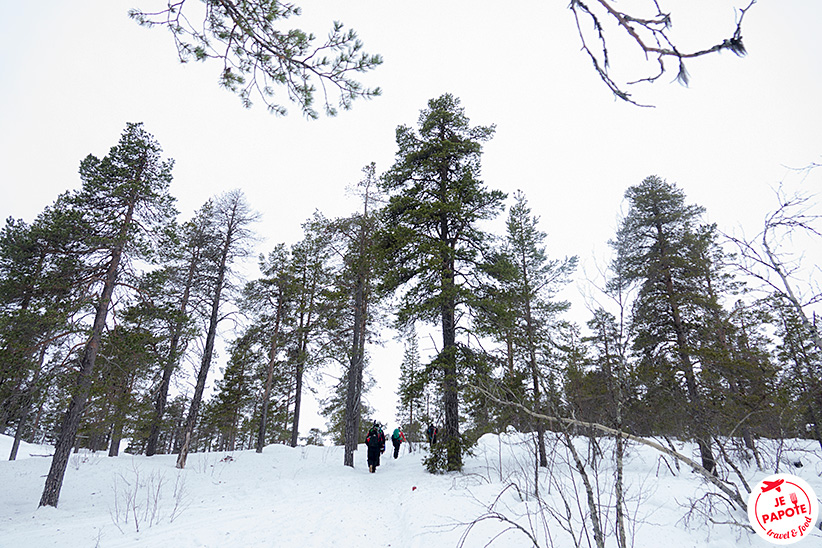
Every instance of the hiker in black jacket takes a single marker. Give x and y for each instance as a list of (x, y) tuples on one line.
[(376, 446), (432, 434)]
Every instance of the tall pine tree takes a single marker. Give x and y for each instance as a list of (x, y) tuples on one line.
[(534, 281), (655, 247), (232, 219), (124, 201), (432, 237)]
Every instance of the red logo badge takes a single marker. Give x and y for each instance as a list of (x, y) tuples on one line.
[(783, 509)]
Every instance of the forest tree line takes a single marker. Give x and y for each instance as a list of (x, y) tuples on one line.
[(108, 300)]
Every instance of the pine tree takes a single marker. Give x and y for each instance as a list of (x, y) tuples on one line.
[(173, 289), (592, 389), (431, 237), (268, 302), (127, 354), (802, 365), (312, 280), (234, 397), (655, 248), (413, 390), (258, 56), (536, 279), (124, 200), (41, 287), (232, 218), (353, 241)]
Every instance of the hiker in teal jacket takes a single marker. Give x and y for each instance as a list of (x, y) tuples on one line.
[(397, 438)]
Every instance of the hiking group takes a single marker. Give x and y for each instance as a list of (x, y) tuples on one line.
[(375, 442)]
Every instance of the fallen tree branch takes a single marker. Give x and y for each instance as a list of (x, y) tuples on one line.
[(733, 494)]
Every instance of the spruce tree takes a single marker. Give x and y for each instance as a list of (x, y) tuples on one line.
[(432, 240)]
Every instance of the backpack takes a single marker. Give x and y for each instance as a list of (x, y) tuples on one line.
[(373, 439), (396, 434)]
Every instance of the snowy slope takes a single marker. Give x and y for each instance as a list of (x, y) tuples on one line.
[(304, 497)]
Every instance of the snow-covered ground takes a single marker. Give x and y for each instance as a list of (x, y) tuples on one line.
[(304, 497)]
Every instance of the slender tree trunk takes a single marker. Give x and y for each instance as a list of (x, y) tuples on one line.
[(124, 389), (18, 434), (208, 352), (353, 395), (71, 421), (171, 361), (116, 438), (532, 357), (620, 452), (699, 422), (593, 509), (272, 359), (509, 353), (451, 433), (21, 425), (299, 368), (302, 354)]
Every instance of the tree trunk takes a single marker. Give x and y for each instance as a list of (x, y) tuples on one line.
[(532, 356), (116, 438), (302, 354), (71, 421), (450, 386), (699, 424), (21, 425), (208, 352), (171, 362), (299, 368), (620, 452), (593, 508), (353, 394), (451, 433), (272, 358)]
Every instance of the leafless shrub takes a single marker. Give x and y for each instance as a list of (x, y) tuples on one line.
[(139, 499)]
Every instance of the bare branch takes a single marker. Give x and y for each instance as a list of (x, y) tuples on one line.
[(650, 34), (733, 494)]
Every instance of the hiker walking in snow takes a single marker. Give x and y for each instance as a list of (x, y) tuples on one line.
[(375, 441), (397, 438), (432, 435)]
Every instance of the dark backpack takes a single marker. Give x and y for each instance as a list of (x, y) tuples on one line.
[(373, 439)]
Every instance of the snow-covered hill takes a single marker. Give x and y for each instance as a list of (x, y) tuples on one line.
[(304, 497)]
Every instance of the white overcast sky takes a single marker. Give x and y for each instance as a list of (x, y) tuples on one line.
[(73, 73)]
